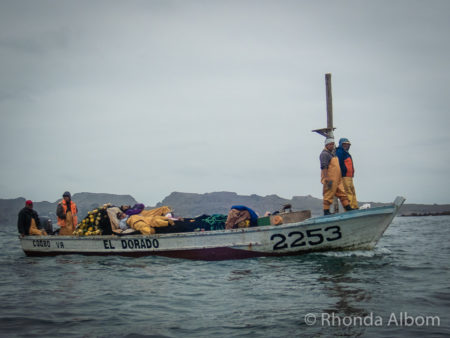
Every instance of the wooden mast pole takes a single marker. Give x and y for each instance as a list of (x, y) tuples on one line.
[(329, 105), (328, 131)]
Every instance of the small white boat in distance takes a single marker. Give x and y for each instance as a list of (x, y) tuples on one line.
[(353, 230)]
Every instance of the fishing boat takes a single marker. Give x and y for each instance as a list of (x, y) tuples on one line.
[(352, 230)]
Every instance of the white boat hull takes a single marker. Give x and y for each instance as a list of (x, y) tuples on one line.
[(359, 229)]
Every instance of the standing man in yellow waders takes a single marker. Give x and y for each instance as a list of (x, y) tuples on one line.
[(347, 170), (67, 215), (331, 178)]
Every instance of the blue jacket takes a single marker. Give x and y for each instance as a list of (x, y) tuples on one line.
[(345, 162)]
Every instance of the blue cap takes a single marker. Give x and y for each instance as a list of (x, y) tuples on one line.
[(343, 140)]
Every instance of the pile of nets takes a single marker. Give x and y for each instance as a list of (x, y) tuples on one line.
[(95, 223), (105, 221)]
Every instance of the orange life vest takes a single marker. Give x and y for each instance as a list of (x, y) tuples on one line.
[(73, 210), (349, 166)]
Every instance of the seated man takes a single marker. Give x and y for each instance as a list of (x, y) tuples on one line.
[(28, 221), (123, 228)]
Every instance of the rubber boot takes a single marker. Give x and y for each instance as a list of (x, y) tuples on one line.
[(326, 212)]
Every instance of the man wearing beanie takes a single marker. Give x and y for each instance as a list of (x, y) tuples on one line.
[(66, 211), (331, 178), (28, 221), (347, 170)]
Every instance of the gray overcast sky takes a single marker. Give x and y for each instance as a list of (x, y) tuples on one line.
[(150, 97)]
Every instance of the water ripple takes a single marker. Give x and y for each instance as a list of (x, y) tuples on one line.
[(88, 296)]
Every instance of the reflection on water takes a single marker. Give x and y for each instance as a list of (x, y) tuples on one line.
[(239, 274), (340, 284)]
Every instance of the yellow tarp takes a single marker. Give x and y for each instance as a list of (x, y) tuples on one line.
[(147, 220)]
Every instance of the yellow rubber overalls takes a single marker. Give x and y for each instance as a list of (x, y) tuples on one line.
[(334, 187)]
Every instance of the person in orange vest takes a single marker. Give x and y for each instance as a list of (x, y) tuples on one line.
[(347, 170), (28, 221), (66, 211), (331, 178)]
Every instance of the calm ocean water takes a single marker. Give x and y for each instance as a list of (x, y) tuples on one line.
[(402, 288)]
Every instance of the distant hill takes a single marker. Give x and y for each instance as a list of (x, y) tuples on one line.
[(191, 204), (9, 208)]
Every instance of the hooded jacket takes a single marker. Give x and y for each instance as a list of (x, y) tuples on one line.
[(345, 161)]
